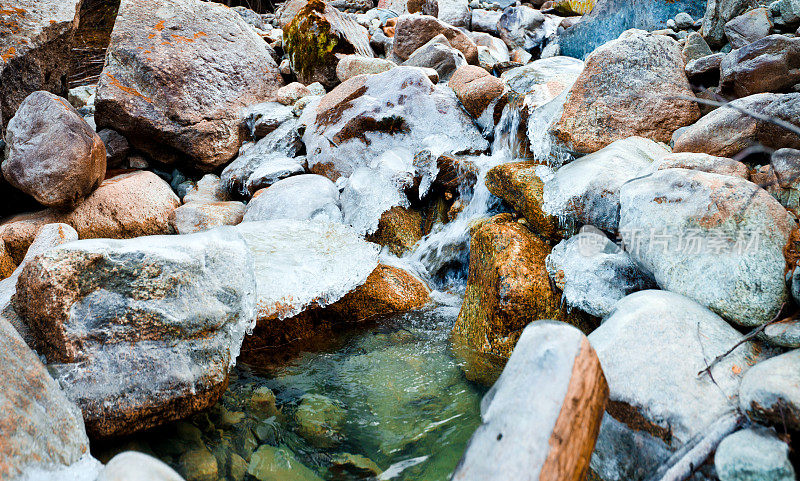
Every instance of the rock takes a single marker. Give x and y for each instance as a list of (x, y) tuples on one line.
[(610, 18), (128, 205), (398, 230), (485, 20), (82, 96), (770, 392), (454, 12), (587, 190), (695, 47), (41, 427), (314, 38), (414, 31), (289, 94), (199, 465), (507, 288), (112, 318), (522, 27), (372, 116), (702, 163), (594, 273), (551, 386), (478, 91), (518, 185), (136, 466), (771, 64), (278, 464), (623, 453), (52, 153), (752, 25), (35, 41), (208, 190), (302, 197), (387, 290), (783, 333), (754, 453), (438, 55), (7, 264), (493, 45), (569, 8), (351, 65), (320, 420), (263, 118), (714, 238), (303, 264), (596, 114), (356, 464), (271, 171), (251, 17), (718, 13), (652, 347), (263, 402), (117, 147), (197, 65), (725, 132), (789, 12), (200, 216), (683, 21), (705, 70)]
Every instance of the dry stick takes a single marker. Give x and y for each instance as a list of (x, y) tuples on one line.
[(746, 338), (766, 118), (686, 460)]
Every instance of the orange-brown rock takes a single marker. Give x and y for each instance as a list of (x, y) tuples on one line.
[(7, 264), (399, 229), (632, 86), (414, 31), (518, 185), (128, 205), (477, 89), (507, 288)]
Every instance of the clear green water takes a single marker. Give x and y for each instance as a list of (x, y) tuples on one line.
[(395, 394)]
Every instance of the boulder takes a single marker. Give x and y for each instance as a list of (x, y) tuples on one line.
[(587, 190), (316, 36), (143, 331), (454, 12), (702, 163), (770, 392), (716, 239), (128, 205), (136, 466), (351, 65), (41, 427), (35, 41), (201, 216), (695, 47), (507, 288), (398, 111), (542, 416), (478, 90), (522, 27), (748, 27), (569, 8), (272, 171), (302, 197), (413, 31), (771, 64), (518, 184), (438, 55), (278, 464), (51, 152), (718, 13), (398, 230), (289, 94), (594, 273), (705, 70), (784, 333), (651, 349), (207, 190), (177, 75), (727, 131), (263, 118), (320, 420), (754, 453), (7, 264), (302, 264), (610, 99), (117, 147), (609, 18), (485, 20)]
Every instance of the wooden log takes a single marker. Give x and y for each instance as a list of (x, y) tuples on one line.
[(542, 417)]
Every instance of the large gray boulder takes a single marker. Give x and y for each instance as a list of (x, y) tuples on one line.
[(523, 27), (302, 197), (143, 331), (718, 13), (35, 41), (586, 191), (594, 273), (52, 154), (414, 31), (652, 348), (717, 239), (771, 64), (177, 76), (439, 55), (753, 454), (770, 391)]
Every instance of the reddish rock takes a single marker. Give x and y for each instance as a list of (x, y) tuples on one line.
[(771, 64), (477, 89), (414, 31)]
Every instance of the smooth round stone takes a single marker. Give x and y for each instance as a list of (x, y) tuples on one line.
[(753, 455)]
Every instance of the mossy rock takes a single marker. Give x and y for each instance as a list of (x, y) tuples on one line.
[(320, 420)]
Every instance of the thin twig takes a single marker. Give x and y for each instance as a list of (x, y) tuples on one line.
[(746, 338), (766, 118)]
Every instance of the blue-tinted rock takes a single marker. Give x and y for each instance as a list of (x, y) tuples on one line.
[(610, 18)]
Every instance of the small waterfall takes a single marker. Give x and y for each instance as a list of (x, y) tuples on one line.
[(448, 244)]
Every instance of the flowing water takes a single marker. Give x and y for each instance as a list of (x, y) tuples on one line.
[(388, 401)]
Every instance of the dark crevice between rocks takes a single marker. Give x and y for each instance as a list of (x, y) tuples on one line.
[(97, 19)]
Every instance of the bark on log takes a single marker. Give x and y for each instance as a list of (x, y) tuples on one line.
[(542, 417)]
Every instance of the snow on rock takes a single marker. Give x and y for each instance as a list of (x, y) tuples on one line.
[(301, 264)]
